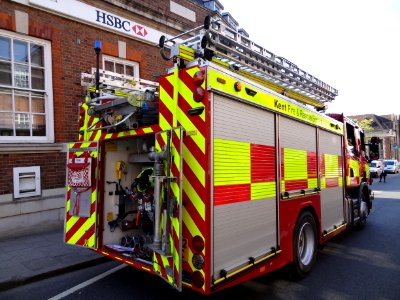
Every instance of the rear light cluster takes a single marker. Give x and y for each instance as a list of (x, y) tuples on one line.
[(198, 261), (198, 79)]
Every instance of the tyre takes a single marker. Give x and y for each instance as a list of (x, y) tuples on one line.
[(304, 245), (363, 212)]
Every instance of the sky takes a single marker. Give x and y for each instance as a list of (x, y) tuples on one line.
[(352, 45)]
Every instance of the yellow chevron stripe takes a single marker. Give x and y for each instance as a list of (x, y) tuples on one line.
[(71, 223), (188, 94), (283, 185), (89, 222), (194, 197), (166, 264), (166, 99), (79, 233), (163, 123), (190, 224), (97, 135), (194, 165), (262, 190), (187, 124), (148, 130), (175, 252)]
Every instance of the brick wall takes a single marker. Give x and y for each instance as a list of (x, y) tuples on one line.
[(72, 53)]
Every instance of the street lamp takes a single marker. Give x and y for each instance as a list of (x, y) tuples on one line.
[(97, 49)]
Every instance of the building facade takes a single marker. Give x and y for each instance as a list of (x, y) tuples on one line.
[(44, 48), (386, 128)]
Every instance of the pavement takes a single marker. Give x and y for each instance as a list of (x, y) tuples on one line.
[(35, 253)]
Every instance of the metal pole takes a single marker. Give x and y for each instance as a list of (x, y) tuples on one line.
[(97, 49)]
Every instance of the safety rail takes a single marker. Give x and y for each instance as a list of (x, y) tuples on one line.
[(118, 82)]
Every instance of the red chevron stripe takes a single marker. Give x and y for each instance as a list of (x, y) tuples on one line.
[(196, 120), (194, 214), (160, 141), (166, 113), (167, 86), (187, 79), (90, 122), (196, 151), (194, 182), (79, 223), (70, 233), (161, 265), (340, 166), (176, 246), (86, 236)]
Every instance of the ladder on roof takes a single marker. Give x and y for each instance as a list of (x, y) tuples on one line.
[(117, 84), (217, 42)]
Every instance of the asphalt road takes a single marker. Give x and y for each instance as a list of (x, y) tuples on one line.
[(363, 264)]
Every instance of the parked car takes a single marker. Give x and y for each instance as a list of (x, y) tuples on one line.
[(391, 166), (375, 168)]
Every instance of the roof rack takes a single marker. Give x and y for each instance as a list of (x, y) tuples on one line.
[(217, 42)]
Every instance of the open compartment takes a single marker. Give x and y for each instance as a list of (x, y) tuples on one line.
[(127, 206)]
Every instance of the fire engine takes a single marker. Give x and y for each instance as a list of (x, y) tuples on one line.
[(224, 170)]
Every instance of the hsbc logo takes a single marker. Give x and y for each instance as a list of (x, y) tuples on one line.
[(139, 30), (119, 23)]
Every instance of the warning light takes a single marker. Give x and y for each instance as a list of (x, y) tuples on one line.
[(198, 78), (238, 86), (198, 243), (198, 94)]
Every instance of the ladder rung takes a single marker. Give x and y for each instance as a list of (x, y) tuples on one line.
[(246, 53)]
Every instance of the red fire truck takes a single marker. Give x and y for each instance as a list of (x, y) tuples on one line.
[(224, 170)]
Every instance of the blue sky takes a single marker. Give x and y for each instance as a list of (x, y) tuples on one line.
[(352, 45)]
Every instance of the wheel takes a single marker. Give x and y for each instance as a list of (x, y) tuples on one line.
[(363, 212), (304, 245)]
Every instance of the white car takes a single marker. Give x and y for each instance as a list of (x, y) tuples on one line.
[(391, 166), (375, 168)]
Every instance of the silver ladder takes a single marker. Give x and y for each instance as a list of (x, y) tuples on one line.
[(240, 53)]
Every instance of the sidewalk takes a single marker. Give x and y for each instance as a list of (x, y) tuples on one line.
[(35, 253)]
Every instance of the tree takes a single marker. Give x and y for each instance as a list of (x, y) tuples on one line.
[(366, 124)]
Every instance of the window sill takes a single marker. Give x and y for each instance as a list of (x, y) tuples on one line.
[(32, 148)]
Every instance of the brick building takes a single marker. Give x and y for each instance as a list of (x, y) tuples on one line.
[(386, 128), (44, 47)]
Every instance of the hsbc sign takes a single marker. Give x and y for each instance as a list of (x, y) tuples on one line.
[(121, 23), (85, 13)]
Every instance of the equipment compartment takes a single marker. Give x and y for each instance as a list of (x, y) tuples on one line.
[(128, 211)]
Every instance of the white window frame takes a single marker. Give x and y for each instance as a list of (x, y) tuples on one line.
[(48, 91), (35, 179), (125, 62)]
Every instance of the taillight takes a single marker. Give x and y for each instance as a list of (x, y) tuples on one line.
[(198, 78), (197, 279), (198, 243), (198, 94)]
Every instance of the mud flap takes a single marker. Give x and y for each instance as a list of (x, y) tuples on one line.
[(167, 260), (81, 197)]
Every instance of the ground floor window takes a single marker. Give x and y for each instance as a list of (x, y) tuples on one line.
[(26, 102)]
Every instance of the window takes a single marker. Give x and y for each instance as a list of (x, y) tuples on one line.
[(128, 69), (26, 104)]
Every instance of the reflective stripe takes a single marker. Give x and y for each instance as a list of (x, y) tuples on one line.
[(231, 162)]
